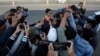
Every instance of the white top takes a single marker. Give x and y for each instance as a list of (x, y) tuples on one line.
[(52, 34)]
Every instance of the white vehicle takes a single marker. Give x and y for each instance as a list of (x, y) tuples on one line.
[(60, 1)]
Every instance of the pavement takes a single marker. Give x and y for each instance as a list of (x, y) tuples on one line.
[(36, 12)]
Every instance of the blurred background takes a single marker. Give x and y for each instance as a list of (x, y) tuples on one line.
[(37, 7)]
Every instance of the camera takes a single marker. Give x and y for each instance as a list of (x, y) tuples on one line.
[(21, 26), (41, 33), (25, 22), (61, 46), (11, 14)]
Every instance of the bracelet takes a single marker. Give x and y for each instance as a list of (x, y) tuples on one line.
[(24, 39), (12, 37)]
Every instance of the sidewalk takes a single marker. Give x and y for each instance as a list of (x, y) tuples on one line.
[(26, 2)]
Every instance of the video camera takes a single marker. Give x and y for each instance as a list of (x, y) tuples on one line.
[(22, 25)]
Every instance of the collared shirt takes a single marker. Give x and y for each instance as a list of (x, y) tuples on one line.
[(81, 46)]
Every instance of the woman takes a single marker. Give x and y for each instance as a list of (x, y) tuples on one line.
[(48, 17)]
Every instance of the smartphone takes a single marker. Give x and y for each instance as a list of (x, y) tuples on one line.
[(41, 34), (21, 26), (61, 46), (25, 22), (51, 20)]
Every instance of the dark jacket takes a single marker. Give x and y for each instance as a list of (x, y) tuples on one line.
[(5, 36), (82, 10), (24, 48)]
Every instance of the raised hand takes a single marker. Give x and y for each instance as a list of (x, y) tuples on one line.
[(26, 30), (17, 30), (14, 20), (43, 37), (70, 49), (51, 51)]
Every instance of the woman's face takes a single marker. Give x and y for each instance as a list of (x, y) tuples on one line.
[(50, 12)]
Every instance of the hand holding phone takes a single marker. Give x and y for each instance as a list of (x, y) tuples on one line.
[(61, 46), (71, 49)]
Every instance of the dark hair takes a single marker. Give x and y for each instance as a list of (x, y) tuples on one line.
[(33, 39), (26, 9), (97, 18), (18, 7), (45, 28), (74, 8), (57, 15), (80, 2), (92, 22), (42, 50), (47, 10), (58, 19), (13, 10), (87, 34), (70, 33)]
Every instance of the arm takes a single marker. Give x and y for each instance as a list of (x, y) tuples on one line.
[(51, 51), (6, 35), (61, 29), (8, 32), (71, 49), (16, 44), (10, 41), (72, 22), (21, 48)]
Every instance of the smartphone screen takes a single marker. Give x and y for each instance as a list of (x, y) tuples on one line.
[(61, 46)]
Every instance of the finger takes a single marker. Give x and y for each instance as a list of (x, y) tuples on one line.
[(27, 27), (67, 48), (18, 25), (24, 25), (44, 34), (51, 47), (71, 46)]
